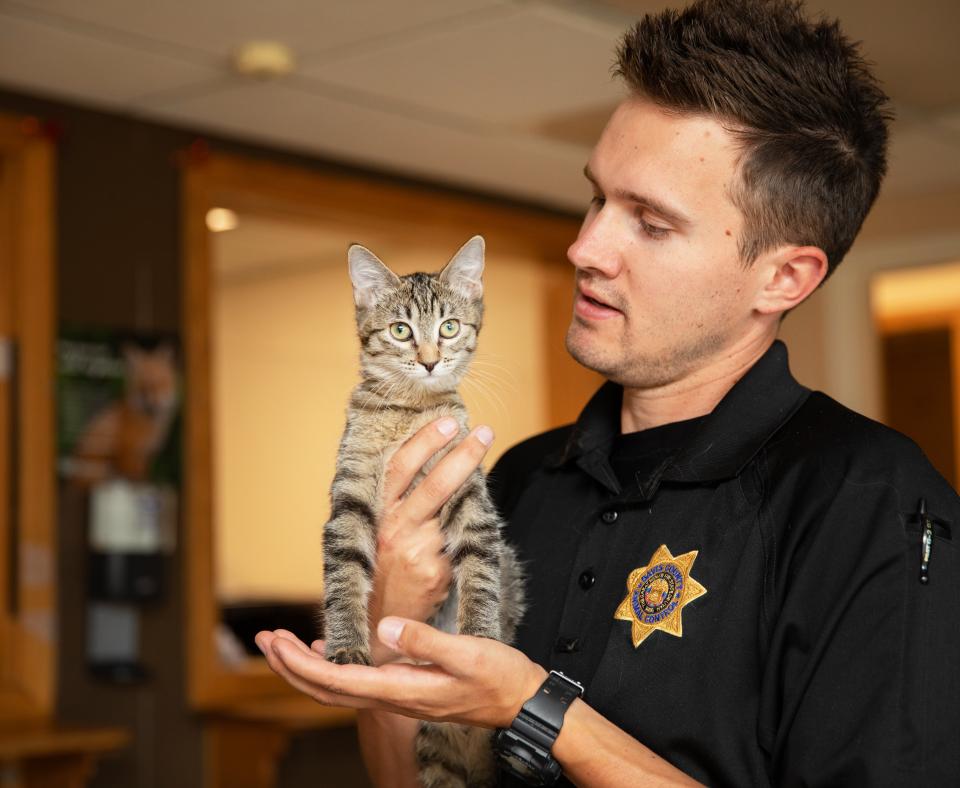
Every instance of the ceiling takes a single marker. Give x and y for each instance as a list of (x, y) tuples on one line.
[(504, 96)]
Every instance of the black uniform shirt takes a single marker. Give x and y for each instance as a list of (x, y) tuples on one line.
[(815, 655), (634, 455)]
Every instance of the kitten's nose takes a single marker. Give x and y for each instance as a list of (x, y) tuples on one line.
[(429, 365)]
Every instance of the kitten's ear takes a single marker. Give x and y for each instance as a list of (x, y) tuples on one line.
[(369, 275), (464, 272)]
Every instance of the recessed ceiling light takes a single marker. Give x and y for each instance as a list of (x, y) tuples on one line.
[(263, 59), (220, 220)]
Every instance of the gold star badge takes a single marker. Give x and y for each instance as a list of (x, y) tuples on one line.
[(657, 593)]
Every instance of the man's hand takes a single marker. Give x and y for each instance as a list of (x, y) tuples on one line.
[(413, 575), (474, 681)]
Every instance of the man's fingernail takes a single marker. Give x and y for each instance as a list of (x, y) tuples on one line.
[(262, 649), (447, 426), (484, 435), (389, 631)]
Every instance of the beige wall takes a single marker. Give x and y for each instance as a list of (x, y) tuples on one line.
[(833, 343), (285, 359)]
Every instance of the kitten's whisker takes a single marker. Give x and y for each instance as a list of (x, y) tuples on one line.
[(495, 403), (489, 358), (397, 383), (379, 389), (508, 375), (489, 394), (492, 377), (392, 383), (485, 378)]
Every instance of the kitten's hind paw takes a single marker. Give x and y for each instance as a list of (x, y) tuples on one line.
[(350, 656)]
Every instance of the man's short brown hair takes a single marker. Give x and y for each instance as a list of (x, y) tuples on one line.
[(809, 115)]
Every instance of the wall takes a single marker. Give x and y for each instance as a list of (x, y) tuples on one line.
[(833, 336), (118, 241), (285, 359), (118, 252)]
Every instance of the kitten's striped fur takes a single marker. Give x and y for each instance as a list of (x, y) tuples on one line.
[(404, 385)]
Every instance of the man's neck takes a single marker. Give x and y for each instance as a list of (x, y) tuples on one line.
[(696, 394)]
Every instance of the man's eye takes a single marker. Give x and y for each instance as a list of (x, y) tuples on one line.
[(598, 201), (653, 230)]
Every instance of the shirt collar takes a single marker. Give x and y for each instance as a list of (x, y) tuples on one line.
[(752, 411)]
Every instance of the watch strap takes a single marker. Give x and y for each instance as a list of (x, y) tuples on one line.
[(541, 717)]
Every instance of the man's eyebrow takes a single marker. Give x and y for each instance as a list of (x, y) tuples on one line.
[(670, 214)]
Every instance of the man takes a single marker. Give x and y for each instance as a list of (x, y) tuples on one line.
[(741, 572)]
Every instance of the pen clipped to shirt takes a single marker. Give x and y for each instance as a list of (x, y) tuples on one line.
[(926, 542)]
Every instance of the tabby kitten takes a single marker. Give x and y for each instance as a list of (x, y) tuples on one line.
[(418, 334)]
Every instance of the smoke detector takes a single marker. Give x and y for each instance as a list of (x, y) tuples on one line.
[(263, 59)]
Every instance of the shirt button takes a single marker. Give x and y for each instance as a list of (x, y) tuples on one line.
[(587, 579), (610, 516), (567, 645)]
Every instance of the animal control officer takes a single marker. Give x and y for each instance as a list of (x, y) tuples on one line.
[(754, 585), (742, 592)]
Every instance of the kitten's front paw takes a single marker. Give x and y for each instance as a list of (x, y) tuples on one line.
[(350, 656)]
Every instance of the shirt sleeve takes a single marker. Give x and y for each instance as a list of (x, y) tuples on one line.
[(862, 679)]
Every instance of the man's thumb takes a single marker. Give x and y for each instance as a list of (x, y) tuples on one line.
[(411, 638), (389, 630)]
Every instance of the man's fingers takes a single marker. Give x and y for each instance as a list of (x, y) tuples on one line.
[(447, 477), (413, 454), (289, 636), (280, 644), (357, 686), (266, 642)]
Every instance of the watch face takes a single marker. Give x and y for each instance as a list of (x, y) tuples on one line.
[(520, 758), (517, 765)]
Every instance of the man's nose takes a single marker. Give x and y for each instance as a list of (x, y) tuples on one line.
[(597, 247)]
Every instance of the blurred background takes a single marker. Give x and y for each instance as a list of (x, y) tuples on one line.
[(179, 182)]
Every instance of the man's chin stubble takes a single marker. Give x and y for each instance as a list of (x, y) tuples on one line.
[(637, 371), (611, 369)]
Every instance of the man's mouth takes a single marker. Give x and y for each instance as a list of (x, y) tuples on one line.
[(592, 308), (596, 302)]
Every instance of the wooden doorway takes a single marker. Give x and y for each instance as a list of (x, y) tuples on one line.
[(28, 580), (401, 216), (917, 315)]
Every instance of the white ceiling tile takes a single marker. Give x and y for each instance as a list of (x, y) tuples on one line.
[(216, 27), (913, 45), (282, 116), (510, 70), (455, 90), (51, 60)]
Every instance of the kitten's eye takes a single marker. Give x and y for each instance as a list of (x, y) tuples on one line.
[(400, 331), (449, 328)]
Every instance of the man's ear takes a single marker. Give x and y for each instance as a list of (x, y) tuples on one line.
[(794, 273)]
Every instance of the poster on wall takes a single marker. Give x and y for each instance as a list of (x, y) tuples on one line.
[(118, 444), (118, 408)]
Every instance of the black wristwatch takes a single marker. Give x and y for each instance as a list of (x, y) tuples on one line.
[(523, 749)]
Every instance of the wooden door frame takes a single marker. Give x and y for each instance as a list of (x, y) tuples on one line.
[(923, 320), (28, 629), (212, 180)]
